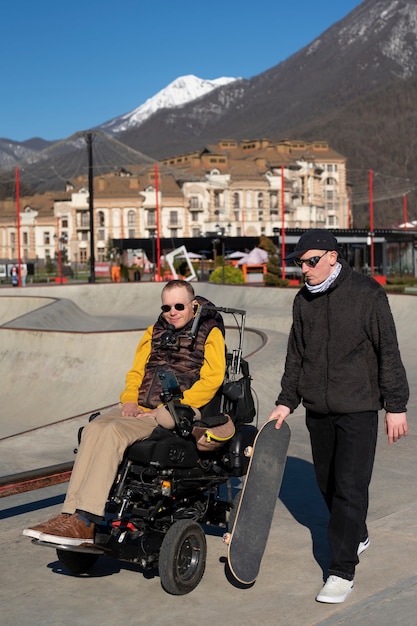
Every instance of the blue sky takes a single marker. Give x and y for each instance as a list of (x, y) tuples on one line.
[(69, 66)]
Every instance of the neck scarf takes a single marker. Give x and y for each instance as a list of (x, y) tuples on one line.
[(326, 283)]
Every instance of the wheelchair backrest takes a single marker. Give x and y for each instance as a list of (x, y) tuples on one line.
[(234, 397)]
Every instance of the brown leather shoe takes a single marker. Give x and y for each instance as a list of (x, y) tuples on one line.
[(72, 531), (36, 531)]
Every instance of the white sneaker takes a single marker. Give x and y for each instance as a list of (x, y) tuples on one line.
[(335, 590), (363, 545)]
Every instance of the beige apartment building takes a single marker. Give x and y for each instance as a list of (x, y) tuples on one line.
[(247, 188)]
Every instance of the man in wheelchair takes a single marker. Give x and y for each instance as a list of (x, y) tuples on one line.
[(198, 362)]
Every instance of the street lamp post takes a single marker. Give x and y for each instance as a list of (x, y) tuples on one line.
[(221, 239)]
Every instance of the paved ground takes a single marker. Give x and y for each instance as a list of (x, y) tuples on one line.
[(54, 358)]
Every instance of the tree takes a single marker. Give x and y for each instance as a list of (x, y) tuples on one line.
[(272, 278)]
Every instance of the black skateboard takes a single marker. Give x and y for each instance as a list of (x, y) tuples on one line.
[(259, 495)]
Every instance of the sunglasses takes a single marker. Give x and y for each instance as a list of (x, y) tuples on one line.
[(311, 262), (165, 308)]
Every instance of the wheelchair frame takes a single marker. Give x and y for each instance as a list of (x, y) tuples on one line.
[(167, 494)]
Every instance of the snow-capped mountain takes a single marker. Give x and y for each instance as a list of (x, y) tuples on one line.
[(371, 50), (182, 90), (354, 86)]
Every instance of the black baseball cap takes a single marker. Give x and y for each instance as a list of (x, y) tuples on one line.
[(315, 239)]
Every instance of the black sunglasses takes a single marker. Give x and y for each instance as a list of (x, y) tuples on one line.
[(165, 308), (311, 262)]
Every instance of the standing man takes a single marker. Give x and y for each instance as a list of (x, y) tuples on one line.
[(344, 365)]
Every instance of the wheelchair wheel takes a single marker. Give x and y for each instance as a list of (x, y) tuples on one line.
[(76, 562), (182, 559)]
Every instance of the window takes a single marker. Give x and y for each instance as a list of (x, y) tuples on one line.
[(83, 255), (173, 218), (217, 199), (101, 234), (151, 217), (131, 219), (101, 218), (273, 199), (46, 238), (25, 239), (331, 167), (260, 199), (64, 222), (83, 219), (194, 202), (236, 201)]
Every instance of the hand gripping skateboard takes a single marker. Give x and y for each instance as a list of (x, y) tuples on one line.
[(257, 503)]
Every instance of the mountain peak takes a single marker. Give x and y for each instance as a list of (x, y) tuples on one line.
[(180, 91)]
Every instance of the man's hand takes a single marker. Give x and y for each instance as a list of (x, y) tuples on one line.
[(279, 413), (131, 409), (395, 426)]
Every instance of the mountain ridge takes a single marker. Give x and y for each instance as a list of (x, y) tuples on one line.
[(345, 87)]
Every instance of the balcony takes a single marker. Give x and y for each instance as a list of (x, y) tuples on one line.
[(174, 223)]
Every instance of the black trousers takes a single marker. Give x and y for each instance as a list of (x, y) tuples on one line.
[(343, 448)]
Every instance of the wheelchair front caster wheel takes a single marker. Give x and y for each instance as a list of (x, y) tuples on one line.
[(182, 558)]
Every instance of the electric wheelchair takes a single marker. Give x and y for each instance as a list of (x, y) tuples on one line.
[(167, 491)]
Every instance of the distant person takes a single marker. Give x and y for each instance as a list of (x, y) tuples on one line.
[(116, 273), (24, 273), (14, 274), (343, 364), (199, 364)]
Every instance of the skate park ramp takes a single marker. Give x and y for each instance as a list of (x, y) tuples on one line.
[(51, 376), (65, 356), (65, 350)]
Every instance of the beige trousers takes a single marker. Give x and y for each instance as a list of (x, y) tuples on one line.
[(103, 443)]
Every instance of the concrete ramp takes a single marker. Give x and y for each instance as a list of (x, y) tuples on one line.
[(12, 307), (57, 374), (65, 356), (58, 361), (61, 314)]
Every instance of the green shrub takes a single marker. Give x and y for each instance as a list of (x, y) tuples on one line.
[(232, 275)]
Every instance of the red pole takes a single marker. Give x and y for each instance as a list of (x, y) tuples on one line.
[(405, 211), (19, 260), (371, 221), (158, 239), (59, 251), (282, 222)]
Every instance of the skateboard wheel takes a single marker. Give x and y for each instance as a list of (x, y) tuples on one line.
[(248, 451), (226, 538)]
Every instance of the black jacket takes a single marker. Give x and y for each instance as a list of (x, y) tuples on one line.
[(343, 354)]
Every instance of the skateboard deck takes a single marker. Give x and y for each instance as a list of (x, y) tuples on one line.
[(258, 500)]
